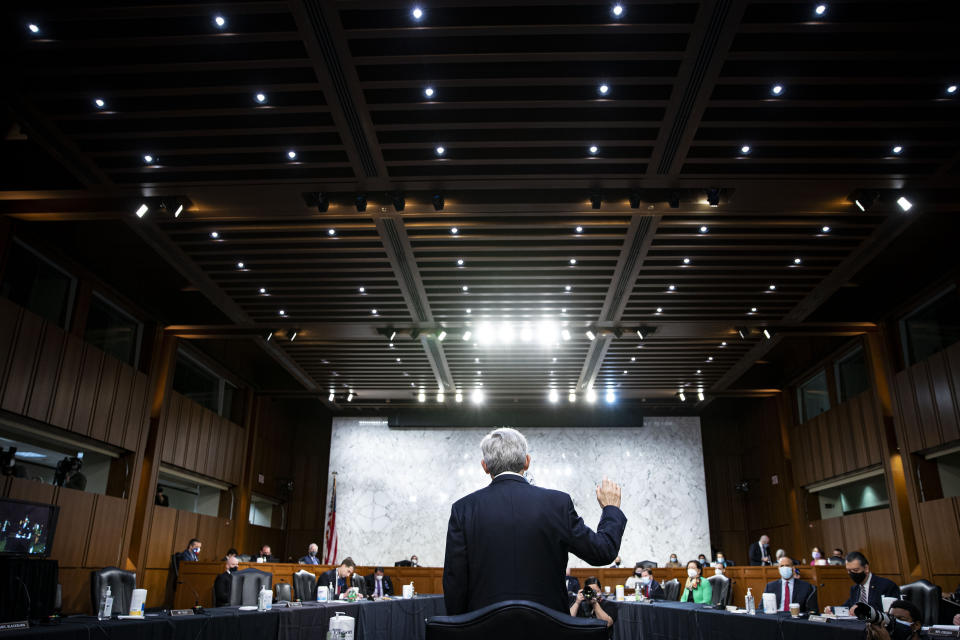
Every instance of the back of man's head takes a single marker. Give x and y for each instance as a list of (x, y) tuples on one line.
[(504, 449), (348, 562)]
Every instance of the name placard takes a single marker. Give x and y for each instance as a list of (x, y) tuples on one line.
[(181, 612), (14, 624), (816, 618)]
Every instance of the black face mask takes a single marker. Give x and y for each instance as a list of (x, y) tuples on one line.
[(233, 569), (857, 577), (313, 554)]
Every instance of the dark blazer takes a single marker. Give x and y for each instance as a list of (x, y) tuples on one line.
[(653, 590), (254, 556), (510, 540), (573, 585), (308, 559), (186, 556), (330, 577), (371, 581), (221, 589), (802, 593), (879, 587), (756, 554)]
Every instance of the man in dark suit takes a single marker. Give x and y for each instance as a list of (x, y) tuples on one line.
[(379, 585), (760, 552), (340, 578), (789, 589), (648, 585), (191, 553), (265, 554), (867, 587), (311, 557), (221, 585), (510, 540)]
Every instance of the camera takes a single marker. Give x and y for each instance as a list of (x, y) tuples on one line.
[(589, 595), (67, 466), (868, 614)]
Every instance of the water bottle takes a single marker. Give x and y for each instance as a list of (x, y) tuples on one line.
[(750, 608), (106, 605), (262, 599)]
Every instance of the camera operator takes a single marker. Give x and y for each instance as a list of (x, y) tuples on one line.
[(589, 603), (901, 622)]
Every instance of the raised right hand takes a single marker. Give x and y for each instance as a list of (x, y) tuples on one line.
[(608, 494)]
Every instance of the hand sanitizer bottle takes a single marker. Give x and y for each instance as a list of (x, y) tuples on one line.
[(106, 605), (750, 607)]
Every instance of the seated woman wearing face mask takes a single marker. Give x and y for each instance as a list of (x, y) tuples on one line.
[(697, 589), (643, 579)]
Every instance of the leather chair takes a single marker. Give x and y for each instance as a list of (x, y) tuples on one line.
[(245, 586), (284, 592), (926, 596), (647, 564), (515, 620), (671, 589), (721, 589), (304, 585), (121, 583), (835, 561)]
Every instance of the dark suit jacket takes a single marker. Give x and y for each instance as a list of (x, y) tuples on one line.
[(879, 587), (186, 556), (307, 559), (330, 577), (653, 590), (221, 590), (371, 581), (802, 593), (573, 585), (254, 556), (510, 540), (756, 554)]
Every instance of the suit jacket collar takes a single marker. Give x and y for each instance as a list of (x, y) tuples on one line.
[(508, 477)]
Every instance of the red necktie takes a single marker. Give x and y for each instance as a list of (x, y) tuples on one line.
[(786, 595)]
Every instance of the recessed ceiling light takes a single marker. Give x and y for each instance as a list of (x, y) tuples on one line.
[(905, 204), (573, 261), (281, 312), (553, 396), (567, 288), (797, 261), (362, 290), (671, 287), (240, 265), (292, 154), (594, 149), (745, 149), (723, 344), (610, 397), (263, 291), (753, 309), (142, 210), (373, 312), (99, 102), (428, 92), (686, 261), (897, 149), (617, 10), (454, 230), (572, 396), (633, 359), (579, 229), (148, 158), (659, 309), (776, 89), (417, 13), (440, 150), (825, 228), (773, 287), (33, 28), (624, 372), (469, 311), (219, 21), (214, 235), (465, 288), (709, 358), (563, 310), (952, 89), (603, 89), (820, 10), (260, 97), (331, 232), (704, 229), (459, 262), (398, 359)]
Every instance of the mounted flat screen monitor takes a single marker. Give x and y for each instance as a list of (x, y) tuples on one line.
[(27, 528)]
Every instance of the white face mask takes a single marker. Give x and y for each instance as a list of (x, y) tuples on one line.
[(786, 572), (693, 573), (645, 580)]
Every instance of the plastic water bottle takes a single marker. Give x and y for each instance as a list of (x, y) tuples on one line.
[(106, 604), (750, 607)]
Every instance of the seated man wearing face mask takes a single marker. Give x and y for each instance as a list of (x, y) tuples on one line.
[(867, 587), (221, 586), (722, 560), (790, 589), (311, 557), (643, 579)]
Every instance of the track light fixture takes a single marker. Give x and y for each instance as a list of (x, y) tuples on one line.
[(438, 203), (674, 200), (700, 395), (713, 197), (361, 203), (293, 334), (682, 396), (399, 202), (643, 332), (743, 332), (634, 200), (317, 199), (595, 200), (767, 334), (268, 337), (865, 199)]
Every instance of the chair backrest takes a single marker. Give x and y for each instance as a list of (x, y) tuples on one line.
[(721, 589), (284, 592), (671, 589), (304, 585), (121, 583), (834, 560), (515, 620), (245, 586), (926, 596), (648, 564)]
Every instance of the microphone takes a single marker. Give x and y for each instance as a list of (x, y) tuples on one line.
[(196, 598)]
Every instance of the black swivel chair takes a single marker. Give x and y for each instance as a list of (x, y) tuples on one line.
[(515, 620), (671, 589), (304, 585), (926, 596), (121, 583), (835, 561), (647, 564), (245, 586), (284, 592), (721, 589)]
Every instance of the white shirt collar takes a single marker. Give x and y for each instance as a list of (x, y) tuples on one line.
[(866, 583), (505, 473)]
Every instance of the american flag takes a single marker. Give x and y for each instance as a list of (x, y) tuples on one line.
[(330, 550)]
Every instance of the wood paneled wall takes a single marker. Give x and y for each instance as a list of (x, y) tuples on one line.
[(56, 378), (927, 400), (199, 440), (871, 533), (941, 543), (843, 439)]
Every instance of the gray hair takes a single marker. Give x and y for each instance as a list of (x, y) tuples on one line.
[(504, 449)]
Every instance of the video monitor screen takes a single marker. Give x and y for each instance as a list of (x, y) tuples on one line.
[(26, 528)]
